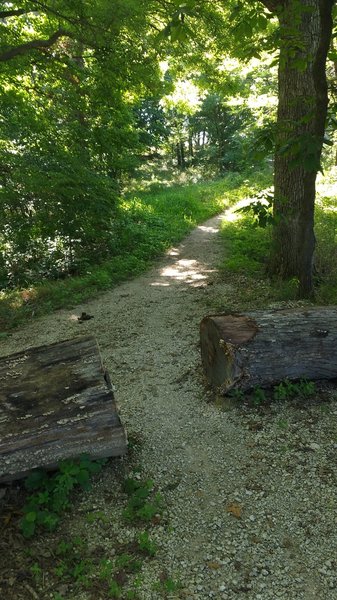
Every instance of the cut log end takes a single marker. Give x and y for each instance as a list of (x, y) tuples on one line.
[(220, 335)]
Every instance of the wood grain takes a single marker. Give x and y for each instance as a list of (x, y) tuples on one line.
[(56, 403), (262, 348)]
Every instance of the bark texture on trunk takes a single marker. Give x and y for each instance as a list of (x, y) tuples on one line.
[(305, 33), (56, 402), (263, 348)]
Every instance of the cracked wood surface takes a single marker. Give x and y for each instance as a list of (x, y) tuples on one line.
[(56, 402)]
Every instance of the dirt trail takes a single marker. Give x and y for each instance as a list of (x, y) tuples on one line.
[(202, 458)]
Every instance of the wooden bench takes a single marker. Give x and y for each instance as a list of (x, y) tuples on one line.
[(56, 402)]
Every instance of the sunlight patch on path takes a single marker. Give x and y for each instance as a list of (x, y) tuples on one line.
[(208, 229), (183, 267), (185, 270)]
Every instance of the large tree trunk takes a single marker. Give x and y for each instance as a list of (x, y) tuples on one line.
[(263, 348), (305, 33)]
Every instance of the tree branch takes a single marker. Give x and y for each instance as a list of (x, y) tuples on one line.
[(273, 5), (4, 14), (34, 45)]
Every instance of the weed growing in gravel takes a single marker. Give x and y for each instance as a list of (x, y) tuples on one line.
[(143, 503), (73, 563), (236, 394), (51, 494), (258, 396), (168, 585), (286, 390), (115, 590), (145, 544), (36, 572)]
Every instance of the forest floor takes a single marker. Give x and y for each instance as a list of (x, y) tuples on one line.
[(249, 492)]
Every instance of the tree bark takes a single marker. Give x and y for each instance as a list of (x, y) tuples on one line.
[(263, 348), (305, 33)]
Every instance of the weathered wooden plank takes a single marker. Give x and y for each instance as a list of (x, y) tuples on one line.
[(56, 403), (262, 348)]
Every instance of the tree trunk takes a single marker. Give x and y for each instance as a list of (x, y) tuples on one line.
[(190, 145), (305, 33), (263, 348)]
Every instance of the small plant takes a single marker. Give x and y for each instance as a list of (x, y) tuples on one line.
[(258, 396), (285, 390), (115, 591), (52, 492), (106, 568), (143, 504), (261, 209), (171, 586), (36, 572), (92, 517), (128, 563), (146, 545), (306, 388), (168, 585), (236, 394), (81, 572), (288, 389), (63, 548)]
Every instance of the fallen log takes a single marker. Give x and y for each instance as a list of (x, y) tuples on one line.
[(56, 402), (263, 348)]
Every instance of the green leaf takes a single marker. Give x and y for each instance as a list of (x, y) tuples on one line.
[(31, 517), (36, 480), (83, 479)]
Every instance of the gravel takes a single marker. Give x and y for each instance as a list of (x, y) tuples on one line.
[(251, 496)]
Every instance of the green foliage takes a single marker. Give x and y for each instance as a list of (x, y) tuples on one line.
[(287, 389), (69, 132), (143, 504), (236, 394), (168, 585), (260, 208), (115, 590), (303, 149), (146, 226), (258, 396), (51, 494), (146, 545)]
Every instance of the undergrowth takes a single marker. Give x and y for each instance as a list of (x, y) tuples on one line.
[(72, 565), (148, 223), (246, 247)]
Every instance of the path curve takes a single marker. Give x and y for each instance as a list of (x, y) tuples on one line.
[(208, 462)]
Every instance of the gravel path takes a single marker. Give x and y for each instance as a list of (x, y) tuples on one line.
[(251, 493)]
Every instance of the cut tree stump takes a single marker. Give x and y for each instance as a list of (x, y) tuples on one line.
[(56, 402), (263, 348)]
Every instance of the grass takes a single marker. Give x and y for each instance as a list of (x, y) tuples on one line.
[(246, 248), (149, 223), (157, 217)]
